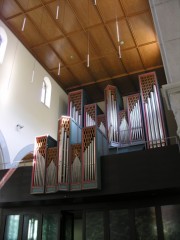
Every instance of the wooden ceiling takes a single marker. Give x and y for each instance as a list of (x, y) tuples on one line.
[(65, 40)]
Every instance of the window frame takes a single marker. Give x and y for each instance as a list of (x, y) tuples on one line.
[(3, 43), (46, 92)]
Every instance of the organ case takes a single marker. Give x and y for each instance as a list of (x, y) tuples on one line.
[(42, 143), (69, 132), (94, 145), (152, 110)]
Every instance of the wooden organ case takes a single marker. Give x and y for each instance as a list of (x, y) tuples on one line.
[(136, 127), (123, 128), (152, 110), (41, 155), (94, 145), (76, 102), (113, 105), (73, 162), (69, 132)]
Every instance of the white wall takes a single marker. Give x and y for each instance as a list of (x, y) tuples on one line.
[(166, 15), (20, 98)]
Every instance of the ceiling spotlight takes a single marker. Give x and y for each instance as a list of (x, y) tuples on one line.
[(122, 42)]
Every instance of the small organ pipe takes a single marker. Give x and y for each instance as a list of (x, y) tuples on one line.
[(61, 146), (157, 135), (159, 115), (149, 132), (151, 121), (67, 159), (64, 156)]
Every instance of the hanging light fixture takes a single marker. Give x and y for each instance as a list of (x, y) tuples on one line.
[(119, 51), (118, 32), (24, 19), (34, 66), (23, 24), (57, 12), (88, 39), (88, 50), (95, 3), (59, 69)]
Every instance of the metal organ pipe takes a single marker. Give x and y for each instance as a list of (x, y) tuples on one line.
[(111, 103), (61, 147), (154, 120), (74, 113), (162, 135), (157, 135), (89, 161), (123, 130)]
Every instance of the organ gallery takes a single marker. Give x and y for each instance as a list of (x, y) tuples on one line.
[(73, 161)]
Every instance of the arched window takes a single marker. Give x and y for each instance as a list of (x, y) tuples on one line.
[(46, 92), (3, 44)]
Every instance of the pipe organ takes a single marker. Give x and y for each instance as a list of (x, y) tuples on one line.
[(113, 105), (76, 102), (94, 145), (69, 132), (152, 111), (136, 129), (73, 162), (123, 128), (42, 143), (51, 170), (76, 167), (101, 123), (91, 112)]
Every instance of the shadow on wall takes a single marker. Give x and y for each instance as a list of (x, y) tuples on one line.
[(4, 153), (5, 162), (26, 151)]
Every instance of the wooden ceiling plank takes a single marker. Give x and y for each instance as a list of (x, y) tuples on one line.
[(110, 37), (132, 32), (1, 5), (117, 76), (77, 52), (44, 5), (91, 42), (47, 44)]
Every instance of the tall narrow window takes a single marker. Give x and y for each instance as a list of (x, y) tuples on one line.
[(46, 92), (30, 227), (12, 227), (3, 44)]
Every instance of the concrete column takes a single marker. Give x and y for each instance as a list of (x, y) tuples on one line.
[(171, 93), (166, 16)]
